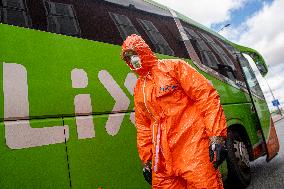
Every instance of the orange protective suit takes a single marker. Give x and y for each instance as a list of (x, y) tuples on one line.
[(176, 111)]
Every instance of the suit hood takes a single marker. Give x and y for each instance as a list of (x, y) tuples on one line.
[(139, 46)]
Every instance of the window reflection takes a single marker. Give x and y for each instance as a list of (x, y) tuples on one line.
[(61, 18), (124, 25), (156, 38), (14, 12)]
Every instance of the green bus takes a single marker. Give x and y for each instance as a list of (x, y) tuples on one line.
[(67, 111)]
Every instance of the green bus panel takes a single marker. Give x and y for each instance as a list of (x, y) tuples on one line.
[(49, 60), (264, 116), (105, 161), (241, 114), (40, 167)]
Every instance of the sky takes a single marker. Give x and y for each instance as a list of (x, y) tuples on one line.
[(258, 24)]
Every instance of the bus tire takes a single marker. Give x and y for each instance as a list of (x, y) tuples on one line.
[(239, 174)]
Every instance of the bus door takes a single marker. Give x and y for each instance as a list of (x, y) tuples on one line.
[(265, 123)]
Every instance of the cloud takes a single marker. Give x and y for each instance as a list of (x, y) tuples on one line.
[(265, 31), (207, 12)]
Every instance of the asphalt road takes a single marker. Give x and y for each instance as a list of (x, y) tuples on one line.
[(270, 175)]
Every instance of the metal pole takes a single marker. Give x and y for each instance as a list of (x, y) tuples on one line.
[(272, 95)]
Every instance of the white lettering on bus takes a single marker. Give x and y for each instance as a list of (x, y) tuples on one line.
[(19, 134), (121, 102), (130, 83), (83, 105)]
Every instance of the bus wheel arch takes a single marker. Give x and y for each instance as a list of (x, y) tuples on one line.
[(239, 155)]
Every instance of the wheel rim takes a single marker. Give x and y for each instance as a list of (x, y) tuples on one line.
[(242, 155)]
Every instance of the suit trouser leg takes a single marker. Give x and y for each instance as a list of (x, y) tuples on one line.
[(205, 176), (161, 181)]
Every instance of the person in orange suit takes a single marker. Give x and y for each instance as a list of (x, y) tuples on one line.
[(181, 126)]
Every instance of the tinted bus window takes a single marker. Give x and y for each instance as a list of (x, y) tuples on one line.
[(61, 18), (18, 4), (14, 12), (229, 48), (226, 66), (124, 25), (216, 47), (156, 25), (192, 34), (203, 51), (211, 53), (86, 19), (105, 21), (209, 59), (231, 54), (156, 38)]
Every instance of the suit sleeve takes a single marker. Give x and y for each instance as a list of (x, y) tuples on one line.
[(144, 133), (207, 99)]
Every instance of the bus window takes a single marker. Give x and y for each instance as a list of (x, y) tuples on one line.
[(230, 53), (191, 33), (209, 59), (156, 38), (218, 50), (86, 19), (156, 25), (229, 48), (202, 46), (250, 76), (61, 18), (14, 12), (205, 55), (124, 25), (206, 37), (211, 53), (106, 21), (223, 55)]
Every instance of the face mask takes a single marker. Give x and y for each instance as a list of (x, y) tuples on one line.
[(135, 61)]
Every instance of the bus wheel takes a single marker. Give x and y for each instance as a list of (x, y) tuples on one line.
[(239, 174)]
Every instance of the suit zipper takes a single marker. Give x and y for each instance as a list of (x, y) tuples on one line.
[(157, 146)]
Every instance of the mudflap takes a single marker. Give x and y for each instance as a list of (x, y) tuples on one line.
[(272, 143)]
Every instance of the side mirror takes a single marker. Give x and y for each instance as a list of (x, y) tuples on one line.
[(259, 62), (262, 69)]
